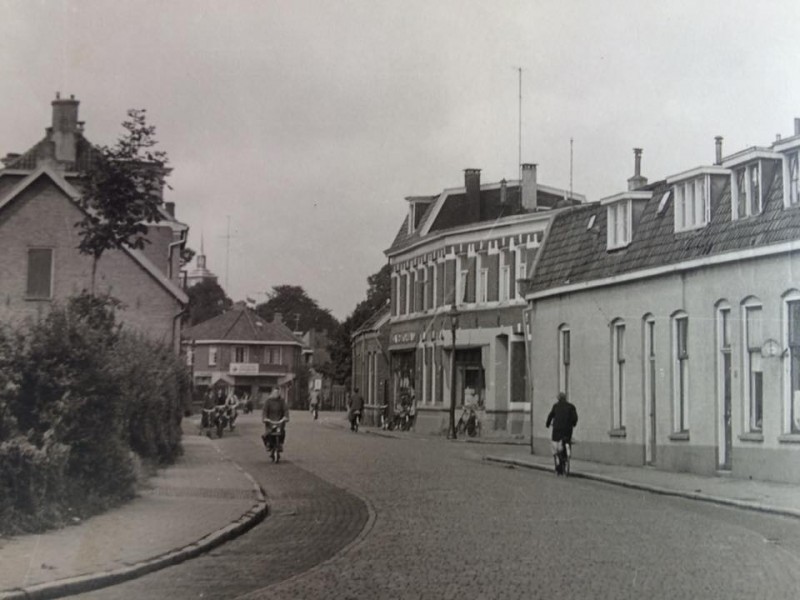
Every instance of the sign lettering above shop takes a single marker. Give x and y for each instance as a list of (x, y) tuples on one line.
[(404, 338)]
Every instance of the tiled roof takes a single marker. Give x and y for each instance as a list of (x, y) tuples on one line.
[(84, 152), (574, 254), (374, 319), (241, 324)]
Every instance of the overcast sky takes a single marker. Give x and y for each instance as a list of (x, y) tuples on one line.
[(308, 123)]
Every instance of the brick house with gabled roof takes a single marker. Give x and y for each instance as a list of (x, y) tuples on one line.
[(39, 241), (467, 247), (238, 349), (370, 362), (670, 315)]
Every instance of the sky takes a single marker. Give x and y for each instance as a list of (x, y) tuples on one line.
[(296, 128)]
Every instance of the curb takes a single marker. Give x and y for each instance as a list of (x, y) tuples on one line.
[(742, 504), (93, 581)]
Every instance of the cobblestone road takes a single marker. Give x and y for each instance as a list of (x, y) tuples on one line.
[(446, 525)]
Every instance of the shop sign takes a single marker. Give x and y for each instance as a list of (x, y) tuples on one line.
[(407, 337)]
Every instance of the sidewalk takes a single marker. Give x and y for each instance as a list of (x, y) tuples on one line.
[(201, 501), (775, 498)]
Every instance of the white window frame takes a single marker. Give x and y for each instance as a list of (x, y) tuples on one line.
[(680, 375), (751, 171), (791, 406), (483, 289), (244, 353), (522, 271), (422, 279), (618, 225), (618, 374), (504, 283), (752, 340), (791, 179), (213, 356), (692, 203), (564, 358)]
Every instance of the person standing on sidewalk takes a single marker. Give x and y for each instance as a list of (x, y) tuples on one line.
[(564, 417)]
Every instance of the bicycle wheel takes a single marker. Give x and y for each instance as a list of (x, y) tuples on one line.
[(565, 464)]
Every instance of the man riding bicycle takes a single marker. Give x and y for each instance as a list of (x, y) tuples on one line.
[(275, 409), (564, 417)]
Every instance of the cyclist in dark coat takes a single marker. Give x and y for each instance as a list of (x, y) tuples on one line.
[(563, 417)]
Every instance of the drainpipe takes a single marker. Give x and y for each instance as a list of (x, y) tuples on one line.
[(175, 338), (527, 322), (170, 249)]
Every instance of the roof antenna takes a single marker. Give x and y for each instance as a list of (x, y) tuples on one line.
[(570, 168)]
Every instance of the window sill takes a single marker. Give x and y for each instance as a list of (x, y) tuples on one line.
[(618, 433), (751, 436), (679, 436), (38, 298), (691, 228), (789, 438)]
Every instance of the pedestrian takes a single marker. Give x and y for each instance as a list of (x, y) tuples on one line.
[(356, 408)]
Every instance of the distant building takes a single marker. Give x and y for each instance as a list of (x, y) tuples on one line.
[(240, 350), (38, 239), (200, 272), (469, 248), (370, 362), (669, 314)]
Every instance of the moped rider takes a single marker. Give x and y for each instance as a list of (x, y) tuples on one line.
[(356, 408), (564, 417), (276, 410)]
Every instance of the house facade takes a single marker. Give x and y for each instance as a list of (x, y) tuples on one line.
[(240, 350), (38, 240), (670, 315), (467, 248), (370, 363)]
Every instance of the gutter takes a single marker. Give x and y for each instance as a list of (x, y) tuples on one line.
[(170, 249)]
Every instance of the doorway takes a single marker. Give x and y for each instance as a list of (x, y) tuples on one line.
[(650, 390)]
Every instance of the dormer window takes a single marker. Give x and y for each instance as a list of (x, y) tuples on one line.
[(622, 210), (692, 206), (792, 175), (746, 192), (619, 224)]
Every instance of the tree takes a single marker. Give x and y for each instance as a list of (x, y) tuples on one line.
[(206, 300), (300, 312), (122, 191), (378, 294)]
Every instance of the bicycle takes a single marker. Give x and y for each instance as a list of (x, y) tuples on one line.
[(562, 458)]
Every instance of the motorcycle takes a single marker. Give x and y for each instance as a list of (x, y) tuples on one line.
[(220, 419), (272, 438), (355, 419)]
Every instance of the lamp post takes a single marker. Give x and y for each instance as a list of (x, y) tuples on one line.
[(453, 315)]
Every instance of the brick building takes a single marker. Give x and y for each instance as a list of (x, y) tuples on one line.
[(469, 248), (239, 349), (38, 239), (370, 363), (670, 315)]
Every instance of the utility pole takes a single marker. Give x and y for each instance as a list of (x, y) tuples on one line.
[(519, 128)]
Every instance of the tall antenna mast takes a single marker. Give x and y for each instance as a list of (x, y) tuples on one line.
[(519, 155), (570, 168), (227, 253)]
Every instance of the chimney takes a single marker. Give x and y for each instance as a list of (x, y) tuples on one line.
[(277, 318), (503, 192), (797, 126), (718, 143), (170, 208), (637, 181), (65, 128), (528, 184), (472, 184)]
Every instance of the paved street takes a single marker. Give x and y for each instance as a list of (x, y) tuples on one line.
[(367, 516)]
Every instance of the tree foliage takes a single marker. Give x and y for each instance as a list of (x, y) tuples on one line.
[(121, 190), (299, 311), (206, 300), (379, 287)]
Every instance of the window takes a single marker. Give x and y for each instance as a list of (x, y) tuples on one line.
[(692, 206), (563, 360), (273, 355), (484, 286), (523, 272), (680, 373), (40, 273), (747, 191), (463, 282), (619, 225), (240, 354), (754, 376), (618, 378), (504, 282), (792, 181), (792, 362), (212, 356)]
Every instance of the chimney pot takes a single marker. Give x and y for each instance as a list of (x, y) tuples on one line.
[(797, 126), (529, 187), (637, 181), (170, 208), (718, 144), (472, 186)]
